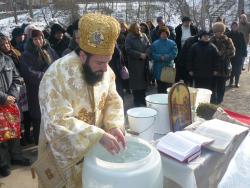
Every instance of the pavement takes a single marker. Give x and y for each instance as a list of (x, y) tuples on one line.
[(236, 99)]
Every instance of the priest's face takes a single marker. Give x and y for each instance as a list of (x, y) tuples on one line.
[(94, 68)]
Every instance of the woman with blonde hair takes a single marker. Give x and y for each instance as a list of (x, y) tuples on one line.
[(137, 46)]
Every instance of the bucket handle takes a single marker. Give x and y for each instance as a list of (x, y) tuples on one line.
[(136, 133)]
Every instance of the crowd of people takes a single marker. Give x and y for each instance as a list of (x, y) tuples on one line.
[(203, 59)]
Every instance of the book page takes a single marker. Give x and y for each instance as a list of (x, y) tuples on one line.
[(177, 146), (195, 137), (222, 132)]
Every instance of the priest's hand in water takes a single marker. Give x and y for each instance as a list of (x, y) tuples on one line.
[(110, 143), (119, 135)]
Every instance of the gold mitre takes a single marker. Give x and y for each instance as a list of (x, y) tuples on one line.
[(98, 33)]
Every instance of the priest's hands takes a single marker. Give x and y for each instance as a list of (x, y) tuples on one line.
[(110, 140), (119, 135)]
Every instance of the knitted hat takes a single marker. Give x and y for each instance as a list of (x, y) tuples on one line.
[(57, 28), (219, 27), (186, 19), (36, 33), (98, 33), (28, 29), (159, 19), (18, 31), (203, 32)]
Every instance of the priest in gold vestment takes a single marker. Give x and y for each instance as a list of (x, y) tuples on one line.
[(80, 105)]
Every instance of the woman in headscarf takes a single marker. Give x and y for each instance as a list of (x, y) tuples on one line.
[(35, 60)]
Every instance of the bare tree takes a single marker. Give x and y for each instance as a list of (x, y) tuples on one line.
[(14, 6), (31, 8), (241, 7)]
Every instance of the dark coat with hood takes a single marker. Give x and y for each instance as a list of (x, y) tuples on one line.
[(58, 45), (226, 52), (138, 68), (203, 59), (34, 63), (10, 80)]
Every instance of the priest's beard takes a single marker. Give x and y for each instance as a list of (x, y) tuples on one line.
[(91, 77)]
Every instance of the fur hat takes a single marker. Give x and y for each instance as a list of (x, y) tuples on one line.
[(98, 33), (219, 27), (36, 33), (164, 29)]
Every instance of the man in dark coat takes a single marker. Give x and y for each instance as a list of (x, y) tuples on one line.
[(203, 62), (18, 39), (183, 58), (183, 32), (10, 151), (58, 40), (240, 53)]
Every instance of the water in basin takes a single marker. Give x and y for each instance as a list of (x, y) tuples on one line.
[(135, 151)]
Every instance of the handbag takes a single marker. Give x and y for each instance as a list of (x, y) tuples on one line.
[(124, 73), (123, 70), (168, 74), (9, 123)]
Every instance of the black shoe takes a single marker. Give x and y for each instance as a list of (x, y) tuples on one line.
[(5, 171), (21, 162), (243, 69)]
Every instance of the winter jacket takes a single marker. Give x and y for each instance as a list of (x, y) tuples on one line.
[(10, 80), (239, 44), (240, 53), (226, 52), (138, 68), (178, 32), (203, 59), (166, 48), (32, 69)]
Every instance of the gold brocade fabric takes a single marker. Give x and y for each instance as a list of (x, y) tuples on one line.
[(70, 123), (88, 117)]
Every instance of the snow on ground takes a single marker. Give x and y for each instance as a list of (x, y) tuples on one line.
[(8, 24)]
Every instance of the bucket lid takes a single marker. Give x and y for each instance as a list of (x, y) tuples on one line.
[(141, 112), (157, 99)]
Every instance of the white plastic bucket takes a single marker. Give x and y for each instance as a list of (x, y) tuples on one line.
[(139, 166), (141, 120), (203, 96), (159, 102)]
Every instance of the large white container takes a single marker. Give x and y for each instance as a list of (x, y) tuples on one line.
[(159, 102), (139, 166), (203, 96), (141, 120)]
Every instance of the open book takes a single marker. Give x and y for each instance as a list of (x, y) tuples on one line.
[(222, 132), (182, 145)]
